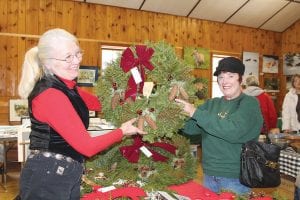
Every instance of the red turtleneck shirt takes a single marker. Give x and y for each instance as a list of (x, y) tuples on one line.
[(54, 108)]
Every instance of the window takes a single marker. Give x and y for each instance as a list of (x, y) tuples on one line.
[(109, 54)]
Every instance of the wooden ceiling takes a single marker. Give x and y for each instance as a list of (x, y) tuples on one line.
[(273, 15)]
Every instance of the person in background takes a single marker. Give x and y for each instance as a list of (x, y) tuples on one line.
[(297, 187), (225, 123), (59, 114), (266, 104), (291, 107)]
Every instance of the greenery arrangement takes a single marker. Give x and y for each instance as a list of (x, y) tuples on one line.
[(157, 113)]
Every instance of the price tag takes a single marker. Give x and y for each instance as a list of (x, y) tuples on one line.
[(107, 189), (136, 75), (147, 89), (145, 151)]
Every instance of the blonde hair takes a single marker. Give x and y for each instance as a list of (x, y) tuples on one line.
[(37, 58), (293, 79)]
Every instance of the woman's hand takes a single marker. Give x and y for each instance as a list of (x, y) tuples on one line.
[(188, 108), (129, 129)]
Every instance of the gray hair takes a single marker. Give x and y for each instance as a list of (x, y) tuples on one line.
[(37, 58), (252, 81)]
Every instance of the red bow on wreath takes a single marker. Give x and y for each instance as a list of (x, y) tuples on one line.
[(132, 152), (128, 61)]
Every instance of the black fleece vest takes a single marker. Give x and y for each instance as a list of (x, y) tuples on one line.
[(42, 136)]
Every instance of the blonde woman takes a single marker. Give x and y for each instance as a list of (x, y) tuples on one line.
[(59, 114), (291, 107)]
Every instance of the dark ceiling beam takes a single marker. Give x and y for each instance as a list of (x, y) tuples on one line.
[(236, 11), (142, 4), (196, 4), (274, 14), (295, 1)]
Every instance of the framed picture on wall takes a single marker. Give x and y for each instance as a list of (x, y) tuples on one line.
[(271, 84), (88, 75), (270, 64), (291, 63), (197, 57), (251, 62), (18, 108)]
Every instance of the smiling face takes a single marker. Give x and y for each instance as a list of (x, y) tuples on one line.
[(296, 83), (59, 65), (229, 84)]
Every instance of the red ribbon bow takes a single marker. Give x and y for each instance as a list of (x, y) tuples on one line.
[(132, 152), (128, 61)]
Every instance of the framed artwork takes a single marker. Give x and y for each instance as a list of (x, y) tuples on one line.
[(251, 62), (271, 84), (197, 57), (88, 75), (291, 63), (18, 108), (270, 64)]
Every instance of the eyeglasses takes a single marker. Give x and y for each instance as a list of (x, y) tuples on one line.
[(70, 57)]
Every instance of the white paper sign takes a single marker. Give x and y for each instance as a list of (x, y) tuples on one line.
[(136, 75), (147, 89), (146, 151), (106, 189)]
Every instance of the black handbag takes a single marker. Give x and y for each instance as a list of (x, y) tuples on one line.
[(259, 165)]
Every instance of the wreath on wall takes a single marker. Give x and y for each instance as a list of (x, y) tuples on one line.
[(143, 83)]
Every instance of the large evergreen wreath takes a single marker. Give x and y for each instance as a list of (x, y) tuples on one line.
[(157, 114)]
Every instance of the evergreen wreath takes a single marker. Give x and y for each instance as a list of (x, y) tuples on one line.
[(157, 114)]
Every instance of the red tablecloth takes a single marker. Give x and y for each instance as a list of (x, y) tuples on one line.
[(191, 189)]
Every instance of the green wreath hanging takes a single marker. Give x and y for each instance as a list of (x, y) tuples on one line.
[(143, 83)]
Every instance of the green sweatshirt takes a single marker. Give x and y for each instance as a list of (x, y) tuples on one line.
[(225, 125)]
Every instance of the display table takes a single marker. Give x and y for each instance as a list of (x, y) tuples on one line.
[(289, 162), (7, 134)]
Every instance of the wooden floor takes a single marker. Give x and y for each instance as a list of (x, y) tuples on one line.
[(12, 186), (286, 189)]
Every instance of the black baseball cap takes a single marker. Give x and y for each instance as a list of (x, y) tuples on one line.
[(230, 64)]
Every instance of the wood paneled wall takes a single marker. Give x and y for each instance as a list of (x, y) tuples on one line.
[(23, 21)]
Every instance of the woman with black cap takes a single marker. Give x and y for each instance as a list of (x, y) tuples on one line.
[(225, 124)]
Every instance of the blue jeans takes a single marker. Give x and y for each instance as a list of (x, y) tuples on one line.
[(297, 193), (217, 183), (46, 178)]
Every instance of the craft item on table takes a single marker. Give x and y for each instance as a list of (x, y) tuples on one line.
[(194, 190), (133, 193), (153, 166), (289, 162)]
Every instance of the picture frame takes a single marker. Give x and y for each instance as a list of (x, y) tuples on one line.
[(271, 84), (18, 108), (88, 75), (251, 62), (291, 63), (270, 64), (197, 57)]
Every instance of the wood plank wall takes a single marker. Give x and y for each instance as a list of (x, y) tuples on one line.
[(23, 21)]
